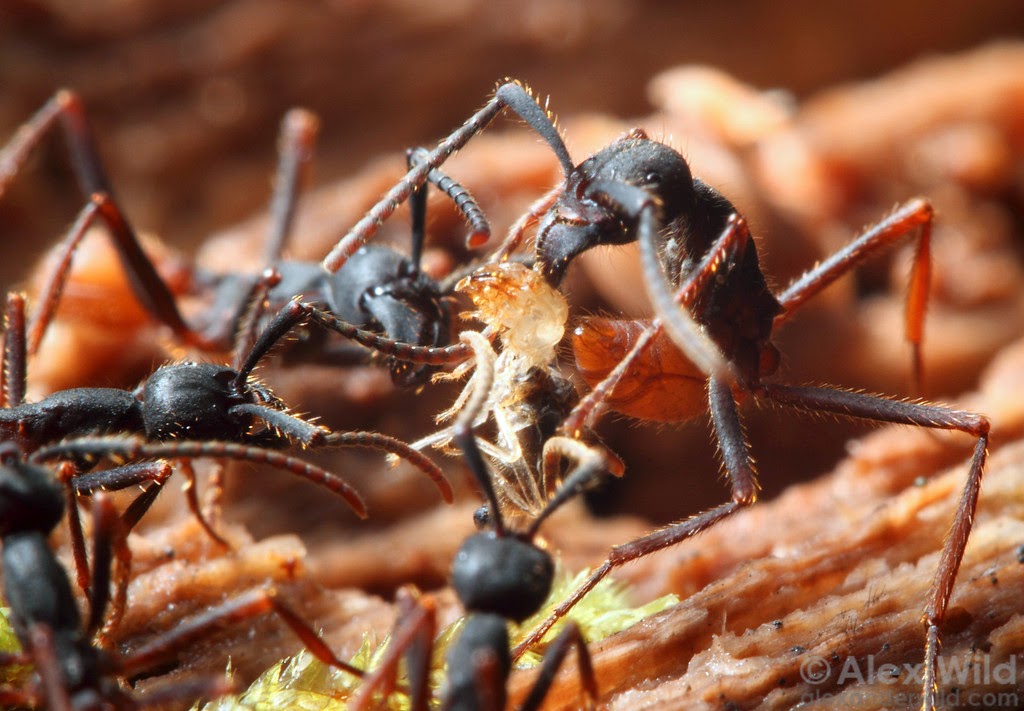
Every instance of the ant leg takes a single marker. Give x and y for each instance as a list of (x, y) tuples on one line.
[(511, 95), (901, 222), (552, 662), (297, 141), (190, 690), (67, 107), (244, 607), (48, 666), (50, 293), (109, 539), (14, 373), (872, 407), (528, 220), (253, 311), (149, 288), (192, 498), (114, 480), (413, 636), (142, 503), (726, 248), (744, 491)]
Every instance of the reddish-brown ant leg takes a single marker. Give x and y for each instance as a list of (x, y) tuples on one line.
[(744, 491), (14, 373), (44, 654), (914, 213), (851, 404), (76, 536), (727, 246), (121, 477), (192, 499), (296, 143), (412, 637), (67, 107), (249, 326), (679, 324), (50, 293), (92, 180), (511, 95), (243, 607), (528, 220), (109, 536), (570, 636)]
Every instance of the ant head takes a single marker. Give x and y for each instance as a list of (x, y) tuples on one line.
[(30, 497), (192, 400), (586, 214), (504, 575)]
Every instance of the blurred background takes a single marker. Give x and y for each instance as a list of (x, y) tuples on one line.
[(185, 97), (185, 100)]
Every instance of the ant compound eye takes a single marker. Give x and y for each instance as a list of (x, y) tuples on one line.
[(482, 518)]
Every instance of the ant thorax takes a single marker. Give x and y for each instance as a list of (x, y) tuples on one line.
[(524, 391)]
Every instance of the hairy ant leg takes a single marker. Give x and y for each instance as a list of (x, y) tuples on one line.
[(412, 638), (916, 213), (708, 304), (499, 575), (244, 607), (296, 144), (873, 407), (65, 109), (13, 372), (590, 343), (72, 672)]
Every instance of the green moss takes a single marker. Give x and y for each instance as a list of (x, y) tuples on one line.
[(16, 675)]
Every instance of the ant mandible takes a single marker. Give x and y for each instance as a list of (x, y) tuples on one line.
[(382, 290), (694, 242), (72, 673)]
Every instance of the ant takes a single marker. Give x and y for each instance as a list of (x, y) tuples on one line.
[(72, 672), (382, 290), (499, 575), (181, 401), (693, 240)]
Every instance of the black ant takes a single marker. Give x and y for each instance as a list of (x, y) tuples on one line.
[(499, 575), (693, 238), (71, 671), (382, 290), (182, 401)]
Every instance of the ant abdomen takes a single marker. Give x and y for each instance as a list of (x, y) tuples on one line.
[(662, 386)]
